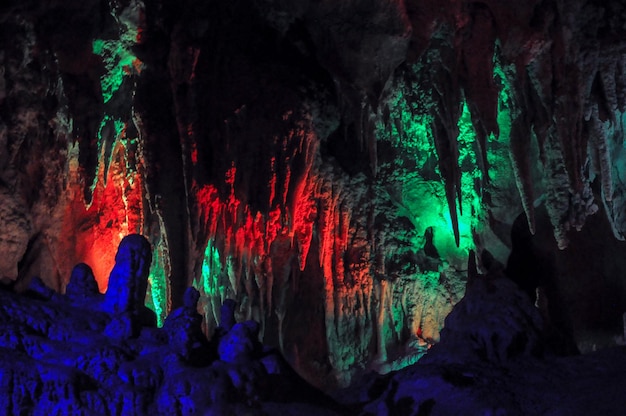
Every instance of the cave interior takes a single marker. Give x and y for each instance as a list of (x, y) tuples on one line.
[(312, 207)]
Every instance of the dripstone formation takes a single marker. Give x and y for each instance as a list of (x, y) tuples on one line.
[(330, 162), (83, 353)]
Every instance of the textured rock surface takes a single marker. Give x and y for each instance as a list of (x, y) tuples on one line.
[(64, 356), (495, 357), (321, 162), (494, 322), (57, 358)]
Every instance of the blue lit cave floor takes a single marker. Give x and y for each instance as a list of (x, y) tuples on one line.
[(591, 384), (85, 354), (496, 357)]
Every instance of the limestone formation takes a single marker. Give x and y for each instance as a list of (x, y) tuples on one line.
[(290, 155), (128, 282), (184, 330), (61, 355), (82, 286)]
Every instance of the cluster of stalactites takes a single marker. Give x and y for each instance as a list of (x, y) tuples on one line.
[(569, 99), (566, 97)]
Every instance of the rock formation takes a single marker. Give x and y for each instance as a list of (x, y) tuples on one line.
[(324, 162), (62, 355), (495, 357)]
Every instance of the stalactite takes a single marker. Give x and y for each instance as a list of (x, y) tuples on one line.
[(448, 166), (590, 68), (557, 191), (568, 111), (607, 73), (520, 137), (520, 160), (477, 78), (446, 111), (381, 338), (599, 139), (620, 82)]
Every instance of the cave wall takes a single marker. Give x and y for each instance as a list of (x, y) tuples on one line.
[(329, 165)]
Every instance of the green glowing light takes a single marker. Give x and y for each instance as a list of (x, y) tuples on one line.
[(467, 140), (210, 285), (502, 187), (410, 186), (157, 287), (118, 63), (426, 207), (211, 271), (111, 128), (423, 199)]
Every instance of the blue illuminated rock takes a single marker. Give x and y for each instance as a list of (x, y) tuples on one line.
[(80, 354)]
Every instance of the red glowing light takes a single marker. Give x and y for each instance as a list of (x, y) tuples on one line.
[(249, 235), (195, 52), (137, 65), (230, 175), (272, 184), (91, 234)]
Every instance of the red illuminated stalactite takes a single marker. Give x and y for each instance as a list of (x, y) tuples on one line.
[(193, 147), (273, 228), (327, 228), (315, 205), (303, 206), (272, 183), (93, 233), (195, 52), (304, 216), (287, 180)]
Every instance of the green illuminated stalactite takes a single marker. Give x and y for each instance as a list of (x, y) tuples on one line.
[(411, 184), (211, 286), (504, 117), (423, 191), (157, 286), (471, 179), (502, 187), (118, 63), (158, 282), (111, 130)]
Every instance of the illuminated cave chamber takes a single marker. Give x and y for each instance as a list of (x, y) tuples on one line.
[(328, 165)]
